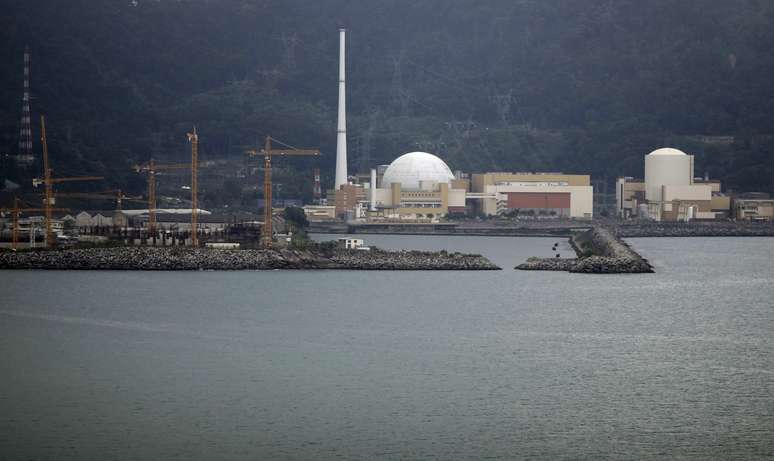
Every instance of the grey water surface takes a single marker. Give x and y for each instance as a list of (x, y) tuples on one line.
[(389, 365)]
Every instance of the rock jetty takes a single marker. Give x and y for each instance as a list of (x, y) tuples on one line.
[(599, 252), (695, 229), (548, 264), (162, 259)]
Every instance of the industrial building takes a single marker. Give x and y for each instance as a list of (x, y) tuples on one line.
[(416, 185), (670, 192), (555, 194), (317, 213), (753, 207)]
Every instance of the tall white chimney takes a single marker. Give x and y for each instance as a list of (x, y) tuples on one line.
[(341, 132), (373, 189)]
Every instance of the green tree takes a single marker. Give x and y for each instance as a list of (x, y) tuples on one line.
[(296, 217)]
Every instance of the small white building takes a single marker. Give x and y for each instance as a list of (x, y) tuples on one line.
[(350, 243)]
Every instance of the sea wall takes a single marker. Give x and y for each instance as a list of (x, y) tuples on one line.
[(695, 229), (599, 252), (155, 258)]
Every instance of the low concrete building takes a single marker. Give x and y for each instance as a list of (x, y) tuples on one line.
[(182, 222), (629, 195), (349, 243), (556, 194), (319, 213), (86, 219), (752, 208)]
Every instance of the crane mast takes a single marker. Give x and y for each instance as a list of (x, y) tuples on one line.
[(267, 232), (15, 212), (49, 182), (151, 168), (193, 138)]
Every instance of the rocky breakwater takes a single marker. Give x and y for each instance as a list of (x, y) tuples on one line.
[(696, 229), (149, 258), (599, 252), (376, 259)]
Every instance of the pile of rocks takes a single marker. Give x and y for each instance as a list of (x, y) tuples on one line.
[(413, 260), (608, 265), (178, 258), (548, 264), (702, 229), (608, 255)]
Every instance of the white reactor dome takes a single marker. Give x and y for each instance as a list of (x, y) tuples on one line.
[(409, 169), (666, 167), (667, 151)]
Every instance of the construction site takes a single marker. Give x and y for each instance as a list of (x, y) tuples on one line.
[(43, 222), (55, 213)]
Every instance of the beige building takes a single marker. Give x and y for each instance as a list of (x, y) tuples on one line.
[(317, 213), (416, 185), (557, 194), (348, 199), (670, 192), (629, 195), (754, 209)]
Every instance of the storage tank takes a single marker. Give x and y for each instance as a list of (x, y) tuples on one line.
[(666, 167)]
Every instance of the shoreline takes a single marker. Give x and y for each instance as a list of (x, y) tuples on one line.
[(191, 259), (562, 229)]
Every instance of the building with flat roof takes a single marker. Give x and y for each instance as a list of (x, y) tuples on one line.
[(555, 194), (318, 213), (753, 207)]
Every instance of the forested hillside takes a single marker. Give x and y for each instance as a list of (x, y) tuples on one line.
[(579, 86)]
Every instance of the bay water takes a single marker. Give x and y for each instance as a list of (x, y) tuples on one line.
[(397, 365)]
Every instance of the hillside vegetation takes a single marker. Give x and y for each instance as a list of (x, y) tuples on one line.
[(585, 86)]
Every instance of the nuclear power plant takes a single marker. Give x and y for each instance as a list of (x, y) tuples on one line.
[(670, 191)]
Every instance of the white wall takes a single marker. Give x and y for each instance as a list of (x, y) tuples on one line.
[(666, 170), (457, 197)]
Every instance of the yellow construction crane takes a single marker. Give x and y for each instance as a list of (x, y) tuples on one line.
[(15, 212), (49, 182), (193, 138), (151, 168), (267, 233)]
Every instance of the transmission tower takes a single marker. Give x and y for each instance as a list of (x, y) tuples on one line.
[(25, 132)]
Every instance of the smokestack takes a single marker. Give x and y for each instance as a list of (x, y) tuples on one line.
[(373, 189), (341, 131)]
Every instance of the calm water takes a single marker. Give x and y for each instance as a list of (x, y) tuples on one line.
[(363, 365)]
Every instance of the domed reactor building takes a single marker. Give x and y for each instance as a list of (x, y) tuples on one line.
[(417, 185), (670, 192)]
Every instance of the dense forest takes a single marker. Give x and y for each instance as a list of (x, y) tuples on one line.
[(586, 86)]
